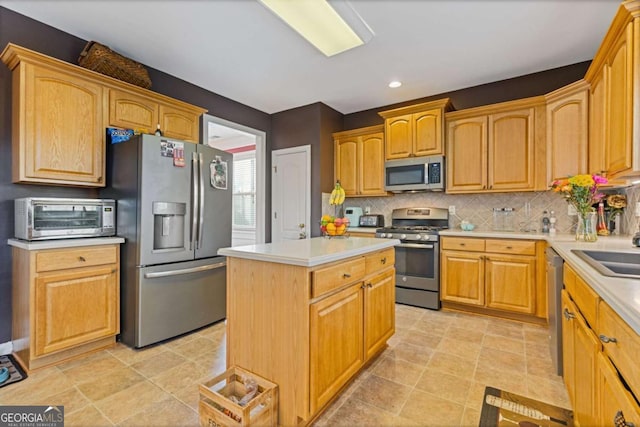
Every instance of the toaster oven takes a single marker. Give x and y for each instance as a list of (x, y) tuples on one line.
[(41, 218)]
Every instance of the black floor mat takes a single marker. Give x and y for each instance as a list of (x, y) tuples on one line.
[(16, 373)]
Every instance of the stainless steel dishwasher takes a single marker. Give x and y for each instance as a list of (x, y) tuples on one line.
[(554, 307)]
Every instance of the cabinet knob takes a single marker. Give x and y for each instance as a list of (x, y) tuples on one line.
[(509, 247), (568, 315), (81, 258), (346, 275), (363, 286), (605, 339), (383, 260), (369, 285), (463, 244)]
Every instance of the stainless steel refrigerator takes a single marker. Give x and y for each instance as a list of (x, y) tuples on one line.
[(174, 210)]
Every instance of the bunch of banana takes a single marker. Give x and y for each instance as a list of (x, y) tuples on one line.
[(337, 195)]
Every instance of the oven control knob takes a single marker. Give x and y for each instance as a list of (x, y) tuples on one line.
[(418, 237), (389, 235), (380, 235), (403, 236)]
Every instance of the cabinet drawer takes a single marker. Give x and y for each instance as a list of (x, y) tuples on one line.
[(625, 350), (379, 260), (511, 247), (75, 258), (463, 243), (333, 277), (587, 301)]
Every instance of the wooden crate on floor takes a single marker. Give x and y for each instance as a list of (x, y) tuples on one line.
[(217, 409)]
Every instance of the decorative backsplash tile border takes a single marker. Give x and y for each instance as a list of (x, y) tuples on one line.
[(478, 208)]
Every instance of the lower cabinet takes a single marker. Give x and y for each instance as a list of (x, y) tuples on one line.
[(493, 274), (66, 302), (600, 354)]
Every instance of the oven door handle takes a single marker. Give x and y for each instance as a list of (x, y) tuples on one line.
[(414, 246)]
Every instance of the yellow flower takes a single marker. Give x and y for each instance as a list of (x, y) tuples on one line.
[(582, 180)]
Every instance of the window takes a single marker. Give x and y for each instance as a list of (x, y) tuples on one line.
[(244, 190)]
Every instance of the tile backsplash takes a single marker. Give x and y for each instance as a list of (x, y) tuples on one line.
[(478, 208)]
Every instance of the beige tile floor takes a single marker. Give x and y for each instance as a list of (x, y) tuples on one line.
[(432, 374)]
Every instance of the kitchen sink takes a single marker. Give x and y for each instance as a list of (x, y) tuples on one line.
[(614, 264)]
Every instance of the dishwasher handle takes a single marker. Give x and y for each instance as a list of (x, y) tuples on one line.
[(169, 273)]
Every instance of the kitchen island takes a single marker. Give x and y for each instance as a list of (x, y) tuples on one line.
[(308, 315)]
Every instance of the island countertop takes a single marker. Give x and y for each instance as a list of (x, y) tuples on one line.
[(309, 252)]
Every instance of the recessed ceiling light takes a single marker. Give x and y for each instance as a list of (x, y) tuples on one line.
[(394, 84), (323, 26)]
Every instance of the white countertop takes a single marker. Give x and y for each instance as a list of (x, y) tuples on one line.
[(309, 252), (63, 243), (371, 230)]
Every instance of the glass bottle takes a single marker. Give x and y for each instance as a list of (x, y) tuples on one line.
[(158, 132), (601, 226)]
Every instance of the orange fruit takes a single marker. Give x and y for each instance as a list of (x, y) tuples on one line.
[(331, 229), (341, 229)]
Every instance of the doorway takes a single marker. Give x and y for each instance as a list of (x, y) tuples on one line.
[(248, 148)]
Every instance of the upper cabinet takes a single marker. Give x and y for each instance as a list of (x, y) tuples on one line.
[(60, 112), (567, 131), (359, 161), (416, 130), (57, 129), (497, 148), (614, 75)]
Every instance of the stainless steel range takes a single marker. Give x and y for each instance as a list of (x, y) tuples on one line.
[(417, 256)]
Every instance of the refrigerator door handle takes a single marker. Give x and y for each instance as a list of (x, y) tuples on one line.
[(201, 204), (194, 200), (159, 274)]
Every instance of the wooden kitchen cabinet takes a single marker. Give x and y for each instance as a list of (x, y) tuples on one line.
[(600, 353), (57, 125), (498, 276), (614, 75), (359, 161), (67, 302), (496, 148), (130, 110), (338, 316), (416, 130), (567, 131), (61, 110)]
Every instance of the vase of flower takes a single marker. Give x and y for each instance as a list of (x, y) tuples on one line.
[(586, 228)]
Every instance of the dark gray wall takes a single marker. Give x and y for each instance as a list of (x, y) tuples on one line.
[(505, 90), (24, 31), (310, 125)]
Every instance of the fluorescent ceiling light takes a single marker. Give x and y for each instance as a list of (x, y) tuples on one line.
[(322, 26)]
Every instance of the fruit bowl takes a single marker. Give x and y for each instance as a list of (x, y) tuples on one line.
[(332, 226)]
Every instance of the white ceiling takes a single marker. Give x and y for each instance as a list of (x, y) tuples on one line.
[(239, 49)]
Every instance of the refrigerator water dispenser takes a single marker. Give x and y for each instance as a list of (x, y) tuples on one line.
[(168, 225)]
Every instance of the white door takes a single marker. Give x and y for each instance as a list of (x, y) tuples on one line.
[(290, 193)]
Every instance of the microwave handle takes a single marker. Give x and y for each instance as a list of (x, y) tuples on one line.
[(426, 172)]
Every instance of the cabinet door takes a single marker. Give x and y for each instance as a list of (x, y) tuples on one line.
[(597, 120), (346, 164), (73, 307), (132, 111), (336, 342), (462, 277), (178, 123), (427, 138), (613, 397), (586, 347), (567, 135), (467, 155), (371, 165), (399, 134), (63, 139), (510, 283), (379, 312), (619, 104), (511, 150)]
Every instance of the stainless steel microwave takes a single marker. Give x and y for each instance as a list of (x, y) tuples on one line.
[(41, 218), (414, 174)]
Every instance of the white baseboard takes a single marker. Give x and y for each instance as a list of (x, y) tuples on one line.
[(6, 348)]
